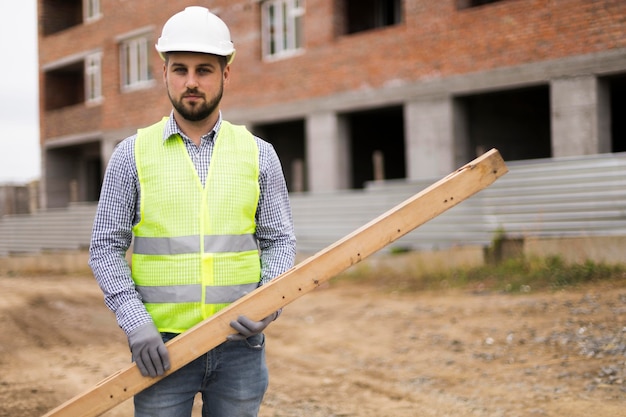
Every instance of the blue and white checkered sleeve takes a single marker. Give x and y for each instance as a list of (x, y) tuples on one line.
[(112, 236), (274, 231)]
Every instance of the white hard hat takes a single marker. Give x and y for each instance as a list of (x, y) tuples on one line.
[(196, 29)]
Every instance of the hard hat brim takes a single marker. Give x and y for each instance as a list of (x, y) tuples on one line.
[(229, 54)]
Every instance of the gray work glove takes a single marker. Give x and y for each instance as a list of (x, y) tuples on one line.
[(247, 328), (149, 351)]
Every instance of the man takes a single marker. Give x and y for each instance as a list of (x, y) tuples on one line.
[(206, 205)]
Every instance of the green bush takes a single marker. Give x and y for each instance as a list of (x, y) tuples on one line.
[(516, 275)]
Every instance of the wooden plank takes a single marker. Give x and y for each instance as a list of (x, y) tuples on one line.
[(296, 282)]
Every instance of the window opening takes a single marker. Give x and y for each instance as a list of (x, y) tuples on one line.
[(135, 63), (281, 26), (93, 77), (58, 15), (363, 15), (466, 4), (92, 10)]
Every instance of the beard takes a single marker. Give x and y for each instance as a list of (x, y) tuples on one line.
[(199, 110)]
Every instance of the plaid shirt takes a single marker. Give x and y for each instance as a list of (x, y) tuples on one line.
[(118, 211)]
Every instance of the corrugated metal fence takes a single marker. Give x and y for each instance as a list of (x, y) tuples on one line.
[(578, 196)]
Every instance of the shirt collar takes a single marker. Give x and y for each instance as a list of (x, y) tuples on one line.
[(171, 128)]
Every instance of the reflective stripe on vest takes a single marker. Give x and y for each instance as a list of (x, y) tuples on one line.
[(193, 293), (195, 249), (191, 244)]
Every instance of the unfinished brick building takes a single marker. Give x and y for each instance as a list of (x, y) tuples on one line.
[(348, 91)]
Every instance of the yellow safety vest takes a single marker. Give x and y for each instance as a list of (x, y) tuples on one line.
[(195, 249)]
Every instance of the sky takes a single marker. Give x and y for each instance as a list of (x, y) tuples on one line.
[(20, 158)]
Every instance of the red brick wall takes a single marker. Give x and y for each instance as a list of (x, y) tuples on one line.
[(435, 40)]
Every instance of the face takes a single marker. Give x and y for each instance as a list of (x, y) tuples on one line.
[(195, 83)]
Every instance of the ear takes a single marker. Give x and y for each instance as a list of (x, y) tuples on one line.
[(226, 74), (165, 72)]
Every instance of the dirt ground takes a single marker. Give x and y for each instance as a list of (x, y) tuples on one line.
[(351, 350)]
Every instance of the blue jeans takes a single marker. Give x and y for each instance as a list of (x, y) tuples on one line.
[(232, 378)]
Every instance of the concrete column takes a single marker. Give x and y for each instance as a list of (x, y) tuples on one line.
[(43, 181), (107, 146), (327, 152), (578, 126), (429, 138)]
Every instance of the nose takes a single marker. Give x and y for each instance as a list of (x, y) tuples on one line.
[(191, 81)]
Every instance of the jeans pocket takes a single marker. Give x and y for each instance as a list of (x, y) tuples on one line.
[(168, 336), (256, 342)]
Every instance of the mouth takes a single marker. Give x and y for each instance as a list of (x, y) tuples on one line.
[(193, 95)]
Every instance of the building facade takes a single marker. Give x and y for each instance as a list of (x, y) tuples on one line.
[(348, 91)]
